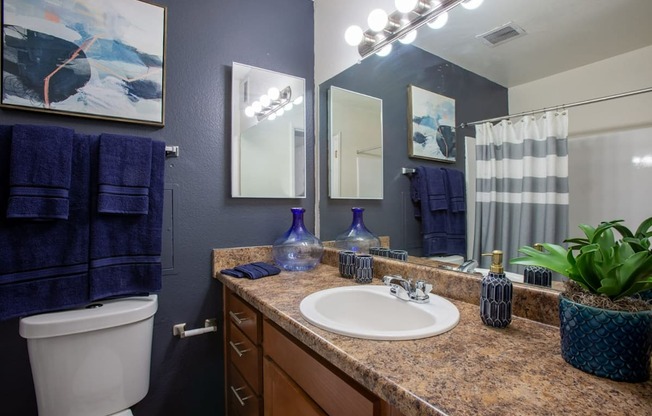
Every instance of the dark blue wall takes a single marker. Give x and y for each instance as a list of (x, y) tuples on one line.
[(388, 78), (204, 37)]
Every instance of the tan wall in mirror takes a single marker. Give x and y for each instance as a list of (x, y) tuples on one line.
[(626, 72)]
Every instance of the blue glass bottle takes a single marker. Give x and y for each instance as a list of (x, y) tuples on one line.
[(496, 294), (357, 237), (297, 249)]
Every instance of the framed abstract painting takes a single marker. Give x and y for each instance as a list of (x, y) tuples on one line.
[(87, 58), (431, 125)]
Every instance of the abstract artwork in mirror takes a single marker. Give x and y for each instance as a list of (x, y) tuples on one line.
[(355, 145), (268, 142), (431, 125)]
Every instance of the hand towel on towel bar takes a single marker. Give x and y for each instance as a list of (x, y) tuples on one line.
[(124, 174), (40, 172), (125, 250), (44, 264)]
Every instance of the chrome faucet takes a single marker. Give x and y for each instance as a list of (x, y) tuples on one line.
[(468, 266), (406, 290)]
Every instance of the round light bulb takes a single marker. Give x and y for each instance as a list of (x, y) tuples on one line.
[(471, 4), (249, 112), (408, 37), (405, 6), (271, 117), (288, 106), (377, 20), (280, 112), (385, 50), (273, 93), (256, 106), (439, 22), (265, 101), (353, 35), (298, 100)]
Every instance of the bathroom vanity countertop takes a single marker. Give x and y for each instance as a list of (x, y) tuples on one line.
[(470, 370)]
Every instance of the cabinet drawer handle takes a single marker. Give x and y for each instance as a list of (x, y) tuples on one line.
[(237, 395), (236, 318), (236, 349)]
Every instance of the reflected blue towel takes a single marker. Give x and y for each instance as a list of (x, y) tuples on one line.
[(254, 270), (44, 264), (456, 189), (125, 250), (125, 164), (40, 172)]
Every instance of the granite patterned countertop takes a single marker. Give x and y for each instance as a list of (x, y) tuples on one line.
[(470, 370)]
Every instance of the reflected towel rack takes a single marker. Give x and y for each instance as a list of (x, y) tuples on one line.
[(408, 171), (171, 151)]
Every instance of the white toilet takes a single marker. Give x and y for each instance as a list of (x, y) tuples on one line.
[(92, 361)]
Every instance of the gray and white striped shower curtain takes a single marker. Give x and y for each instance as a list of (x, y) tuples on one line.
[(521, 185)]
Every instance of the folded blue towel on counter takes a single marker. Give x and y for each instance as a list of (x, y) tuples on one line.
[(125, 164), (254, 270), (40, 172), (44, 264), (125, 250)]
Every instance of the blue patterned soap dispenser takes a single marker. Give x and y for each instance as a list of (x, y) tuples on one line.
[(496, 294), (537, 275)]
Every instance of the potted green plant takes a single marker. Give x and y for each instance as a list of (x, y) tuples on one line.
[(605, 321)]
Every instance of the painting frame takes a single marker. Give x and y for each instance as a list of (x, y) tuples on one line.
[(431, 126), (91, 59)]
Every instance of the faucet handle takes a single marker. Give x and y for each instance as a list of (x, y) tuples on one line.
[(421, 291)]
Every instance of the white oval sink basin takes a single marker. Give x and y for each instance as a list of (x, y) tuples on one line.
[(371, 312)]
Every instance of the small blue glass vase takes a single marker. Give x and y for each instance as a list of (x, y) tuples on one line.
[(297, 249), (357, 237)]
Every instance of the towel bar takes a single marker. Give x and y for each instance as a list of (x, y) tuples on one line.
[(210, 325), (407, 171), (171, 151)]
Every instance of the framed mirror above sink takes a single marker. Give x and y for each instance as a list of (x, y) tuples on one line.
[(268, 140), (355, 145)]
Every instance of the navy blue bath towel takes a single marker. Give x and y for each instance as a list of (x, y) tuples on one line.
[(438, 196), (44, 264), (125, 250), (125, 165), (40, 172)]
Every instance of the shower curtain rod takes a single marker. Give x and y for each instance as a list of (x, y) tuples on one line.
[(563, 106)]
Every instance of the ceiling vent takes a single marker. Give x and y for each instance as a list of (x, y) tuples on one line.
[(501, 34)]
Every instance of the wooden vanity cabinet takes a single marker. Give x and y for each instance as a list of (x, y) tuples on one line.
[(270, 372), (243, 357)]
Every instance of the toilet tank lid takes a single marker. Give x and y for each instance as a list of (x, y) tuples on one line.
[(95, 316)]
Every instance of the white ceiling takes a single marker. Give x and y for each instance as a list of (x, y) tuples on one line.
[(561, 35)]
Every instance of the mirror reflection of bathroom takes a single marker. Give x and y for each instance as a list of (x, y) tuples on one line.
[(268, 134), (355, 145), (539, 69)]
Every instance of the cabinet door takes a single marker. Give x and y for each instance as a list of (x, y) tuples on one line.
[(283, 397)]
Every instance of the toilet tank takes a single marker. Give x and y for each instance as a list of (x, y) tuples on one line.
[(91, 361)]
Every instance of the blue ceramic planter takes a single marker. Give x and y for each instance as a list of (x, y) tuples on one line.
[(610, 344)]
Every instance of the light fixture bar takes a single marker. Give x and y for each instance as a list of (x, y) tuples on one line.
[(417, 18), (285, 97)]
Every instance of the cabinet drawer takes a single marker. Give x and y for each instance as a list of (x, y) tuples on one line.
[(246, 357), (283, 397), (243, 316), (327, 386), (241, 399)]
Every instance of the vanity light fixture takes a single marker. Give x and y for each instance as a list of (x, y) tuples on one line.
[(401, 24), (271, 105)]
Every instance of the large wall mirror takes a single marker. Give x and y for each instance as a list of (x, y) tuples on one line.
[(571, 52), (355, 145), (268, 145)]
